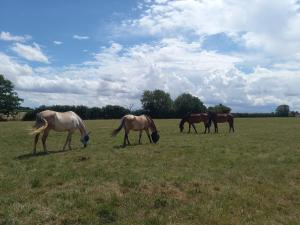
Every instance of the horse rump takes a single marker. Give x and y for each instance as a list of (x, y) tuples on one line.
[(155, 136)]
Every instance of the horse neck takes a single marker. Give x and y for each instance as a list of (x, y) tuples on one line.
[(152, 126), (82, 128)]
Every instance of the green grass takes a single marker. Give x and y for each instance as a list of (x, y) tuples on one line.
[(249, 177)]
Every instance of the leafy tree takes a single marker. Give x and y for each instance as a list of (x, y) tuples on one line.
[(157, 103), (282, 110), (114, 111), (220, 109), (95, 113), (185, 103), (9, 100), (293, 113)]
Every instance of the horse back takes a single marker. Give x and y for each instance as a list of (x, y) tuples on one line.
[(136, 122), (198, 118), (223, 117), (64, 121)]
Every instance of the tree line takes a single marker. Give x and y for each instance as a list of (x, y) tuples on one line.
[(156, 103)]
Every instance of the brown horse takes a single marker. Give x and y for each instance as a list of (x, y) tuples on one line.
[(191, 119), (221, 118), (137, 123), (67, 121)]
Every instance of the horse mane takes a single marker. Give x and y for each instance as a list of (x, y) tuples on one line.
[(82, 127), (151, 122)]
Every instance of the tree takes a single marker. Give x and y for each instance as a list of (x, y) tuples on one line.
[(219, 109), (282, 110), (186, 103), (157, 103), (114, 111), (9, 100)]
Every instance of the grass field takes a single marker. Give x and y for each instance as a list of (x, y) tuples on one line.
[(249, 177)]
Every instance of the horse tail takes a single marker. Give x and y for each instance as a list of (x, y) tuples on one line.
[(116, 131), (37, 128)]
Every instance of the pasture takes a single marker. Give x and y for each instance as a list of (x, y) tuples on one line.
[(249, 177)]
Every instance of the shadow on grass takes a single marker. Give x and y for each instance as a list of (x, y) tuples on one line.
[(127, 146), (39, 154)]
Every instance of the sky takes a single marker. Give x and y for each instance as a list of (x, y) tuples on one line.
[(244, 54)]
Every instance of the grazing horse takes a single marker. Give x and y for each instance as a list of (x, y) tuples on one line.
[(221, 118), (67, 121), (137, 123), (195, 118)]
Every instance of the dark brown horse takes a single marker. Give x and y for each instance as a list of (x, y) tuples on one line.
[(191, 119), (221, 118)]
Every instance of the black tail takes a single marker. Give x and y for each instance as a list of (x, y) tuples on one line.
[(116, 131)]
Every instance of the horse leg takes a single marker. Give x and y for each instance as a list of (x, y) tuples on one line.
[(216, 128), (232, 125), (36, 139), (147, 132), (127, 138), (189, 128), (140, 136), (208, 128), (67, 140), (70, 139), (44, 138), (194, 128)]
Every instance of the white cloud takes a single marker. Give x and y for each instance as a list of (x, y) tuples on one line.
[(57, 42), (31, 53), (119, 75), (271, 26), (79, 37), (6, 36), (12, 69)]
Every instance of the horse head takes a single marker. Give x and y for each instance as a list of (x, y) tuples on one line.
[(85, 139), (181, 124), (155, 136)]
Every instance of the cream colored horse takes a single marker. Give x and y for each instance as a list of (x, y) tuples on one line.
[(67, 121), (137, 123)]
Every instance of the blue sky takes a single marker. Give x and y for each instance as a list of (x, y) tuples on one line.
[(107, 52), (48, 21)]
